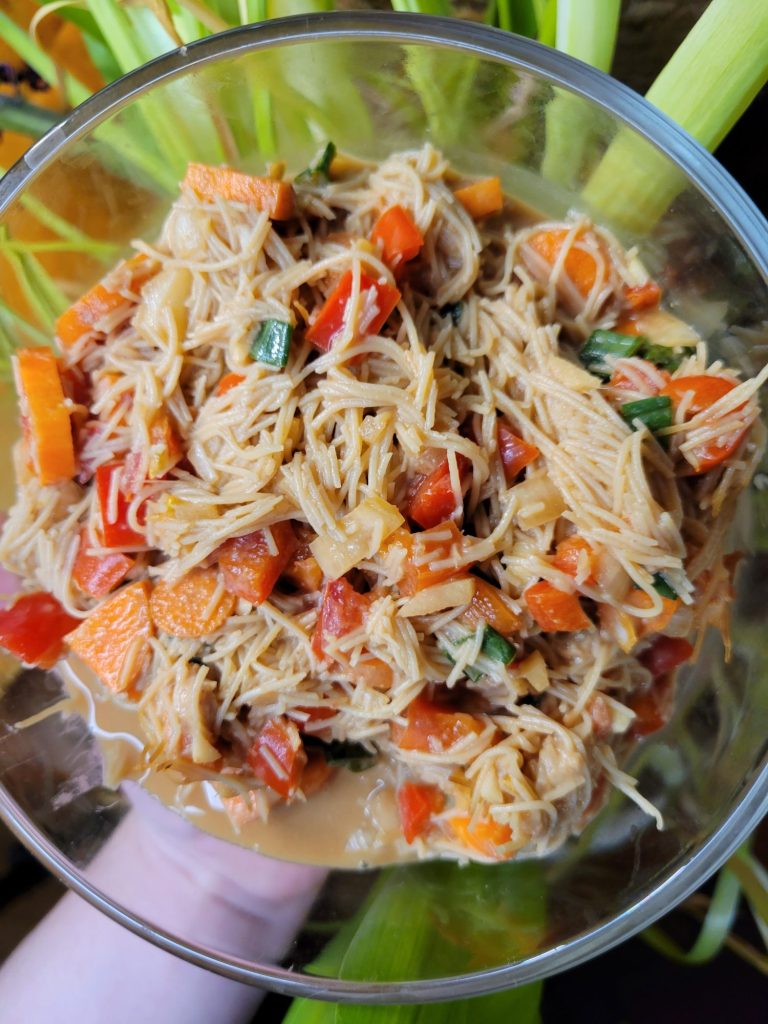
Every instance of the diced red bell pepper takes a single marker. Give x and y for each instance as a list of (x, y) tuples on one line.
[(417, 803), (331, 319), (571, 553), (515, 453), (434, 500), (487, 605), (342, 610), (431, 728), (115, 529), (96, 575), (34, 627), (277, 756), (555, 611), (643, 296), (249, 567), (666, 654), (400, 239), (437, 544)]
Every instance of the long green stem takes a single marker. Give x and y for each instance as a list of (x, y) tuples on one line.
[(586, 29), (712, 77)]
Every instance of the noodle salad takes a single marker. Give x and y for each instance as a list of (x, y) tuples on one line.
[(372, 468)]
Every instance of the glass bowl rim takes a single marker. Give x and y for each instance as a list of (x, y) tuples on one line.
[(730, 202)]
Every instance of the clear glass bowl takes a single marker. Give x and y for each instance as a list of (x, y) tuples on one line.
[(543, 122)]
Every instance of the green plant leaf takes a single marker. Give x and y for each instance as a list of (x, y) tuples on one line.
[(438, 920)]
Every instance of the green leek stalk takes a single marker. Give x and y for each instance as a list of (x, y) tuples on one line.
[(436, 920), (710, 80), (586, 29)]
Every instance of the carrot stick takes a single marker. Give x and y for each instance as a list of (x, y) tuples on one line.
[(44, 415), (101, 300), (274, 197)]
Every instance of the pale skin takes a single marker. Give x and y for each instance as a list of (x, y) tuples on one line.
[(78, 965)]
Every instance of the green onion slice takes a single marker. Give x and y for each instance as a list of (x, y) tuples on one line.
[(654, 413), (454, 310), (319, 172), (601, 344), (662, 587), (661, 355), (496, 647), (343, 754), (272, 342)]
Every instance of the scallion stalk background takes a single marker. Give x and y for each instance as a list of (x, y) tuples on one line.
[(732, 914)]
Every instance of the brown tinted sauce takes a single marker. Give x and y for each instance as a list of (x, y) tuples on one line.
[(351, 823)]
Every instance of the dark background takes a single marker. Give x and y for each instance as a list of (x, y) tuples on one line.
[(631, 984)]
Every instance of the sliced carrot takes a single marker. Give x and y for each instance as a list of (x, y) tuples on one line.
[(705, 390), (227, 382), (187, 607), (400, 239), (113, 640), (96, 575), (249, 565), (644, 627), (102, 299), (515, 453), (554, 610), (484, 836), (277, 756), (34, 627), (165, 446), (643, 296), (579, 265), (274, 197), (432, 729), (487, 605), (417, 802), (572, 554), (481, 198), (44, 415)]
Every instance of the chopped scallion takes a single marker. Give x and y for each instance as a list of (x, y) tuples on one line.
[(319, 172), (654, 413), (454, 310), (469, 671), (601, 344), (343, 754), (272, 342), (496, 647), (663, 588), (661, 355)]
